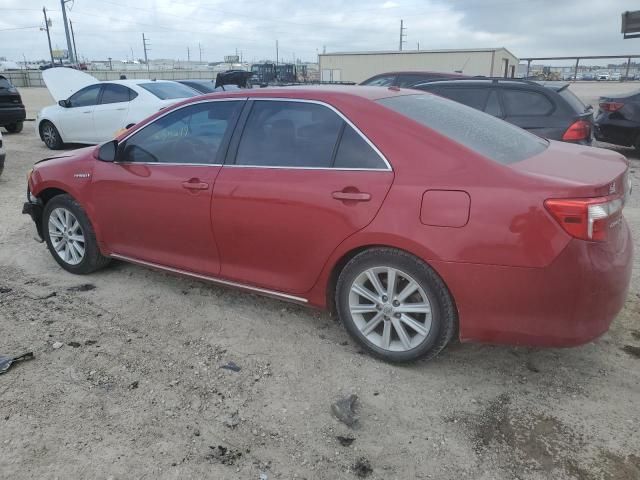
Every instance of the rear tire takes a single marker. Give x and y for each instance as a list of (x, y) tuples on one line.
[(50, 135), (14, 127), (70, 236), (412, 319)]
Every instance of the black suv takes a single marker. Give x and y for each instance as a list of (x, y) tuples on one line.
[(12, 112), (548, 109)]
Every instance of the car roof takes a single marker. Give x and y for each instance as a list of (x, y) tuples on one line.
[(137, 81), (555, 86)]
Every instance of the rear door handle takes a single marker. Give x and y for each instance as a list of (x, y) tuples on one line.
[(352, 196), (195, 184)]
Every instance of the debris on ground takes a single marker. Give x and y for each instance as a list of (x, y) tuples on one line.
[(232, 420), (6, 361), (344, 410), (632, 350), (345, 441), (90, 342), (532, 367), (57, 345), (5, 289), (133, 385), (263, 476), (85, 287), (74, 344), (224, 455), (362, 468), (231, 366)]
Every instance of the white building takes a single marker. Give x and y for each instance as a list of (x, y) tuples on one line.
[(358, 66)]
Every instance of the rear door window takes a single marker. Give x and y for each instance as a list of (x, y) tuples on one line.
[(482, 133), (114, 93), (355, 152), (525, 102), (289, 134)]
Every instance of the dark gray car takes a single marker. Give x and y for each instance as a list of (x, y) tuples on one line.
[(548, 109)]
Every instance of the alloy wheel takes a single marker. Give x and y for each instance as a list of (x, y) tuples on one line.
[(390, 308), (67, 237), (49, 135)]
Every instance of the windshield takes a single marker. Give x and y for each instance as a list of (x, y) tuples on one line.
[(495, 139), (168, 90)]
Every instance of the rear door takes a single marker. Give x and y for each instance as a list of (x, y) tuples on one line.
[(110, 114), (154, 203), (300, 180)]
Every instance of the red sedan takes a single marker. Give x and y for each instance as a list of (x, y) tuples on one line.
[(414, 218)]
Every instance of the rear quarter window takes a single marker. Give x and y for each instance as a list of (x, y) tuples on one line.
[(491, 137), (525, 102)]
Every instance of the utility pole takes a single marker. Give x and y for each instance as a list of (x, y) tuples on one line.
[(145, 46), (402, 34), (276, 52), (66, 30), (188, 55), (73, 39), (110, 64), (47, 23), (418, 45), (200, 50)]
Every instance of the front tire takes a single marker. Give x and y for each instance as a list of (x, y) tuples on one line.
[(395, 305), (70, 236), (50, 135), (14, 127)]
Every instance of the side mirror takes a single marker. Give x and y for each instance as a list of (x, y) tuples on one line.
[(64, 103), (108, 151)]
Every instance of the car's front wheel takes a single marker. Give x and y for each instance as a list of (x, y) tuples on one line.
[(14, 127), (395, 305), (70, 236), (50, 135)]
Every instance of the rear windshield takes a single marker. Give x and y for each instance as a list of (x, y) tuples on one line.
[(168, 90), (575, 103), (482, 133)]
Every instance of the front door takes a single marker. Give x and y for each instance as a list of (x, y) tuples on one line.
[(303, 181), (76, 120), (153, 203)]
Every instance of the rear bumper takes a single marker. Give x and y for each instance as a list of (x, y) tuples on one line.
[(570, 302), (12, 115)]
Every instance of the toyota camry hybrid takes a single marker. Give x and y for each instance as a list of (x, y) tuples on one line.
[(414, 218)]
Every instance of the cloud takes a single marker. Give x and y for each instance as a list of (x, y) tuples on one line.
[(113, 28)]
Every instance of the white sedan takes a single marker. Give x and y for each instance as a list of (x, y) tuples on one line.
[(90, 112)]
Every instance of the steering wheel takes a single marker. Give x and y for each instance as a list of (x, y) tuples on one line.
[(194, 149)]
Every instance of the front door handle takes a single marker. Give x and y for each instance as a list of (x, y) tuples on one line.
[(352, 196), (195, 184)]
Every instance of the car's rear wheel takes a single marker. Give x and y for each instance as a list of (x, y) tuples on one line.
[(70, 236), (395, 305), (14, 127), (50, 135)]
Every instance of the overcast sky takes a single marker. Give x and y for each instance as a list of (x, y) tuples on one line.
[(113, 28)]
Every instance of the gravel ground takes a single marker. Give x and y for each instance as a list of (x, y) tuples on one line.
[(126, 380)]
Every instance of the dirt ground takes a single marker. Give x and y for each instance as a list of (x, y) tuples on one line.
[(135, 388)]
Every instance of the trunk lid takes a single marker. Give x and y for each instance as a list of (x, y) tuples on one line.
[(582, 171), (64, 82)]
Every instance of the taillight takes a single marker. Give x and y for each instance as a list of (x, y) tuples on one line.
[(611, 106), (586, 218), (579, 130)]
